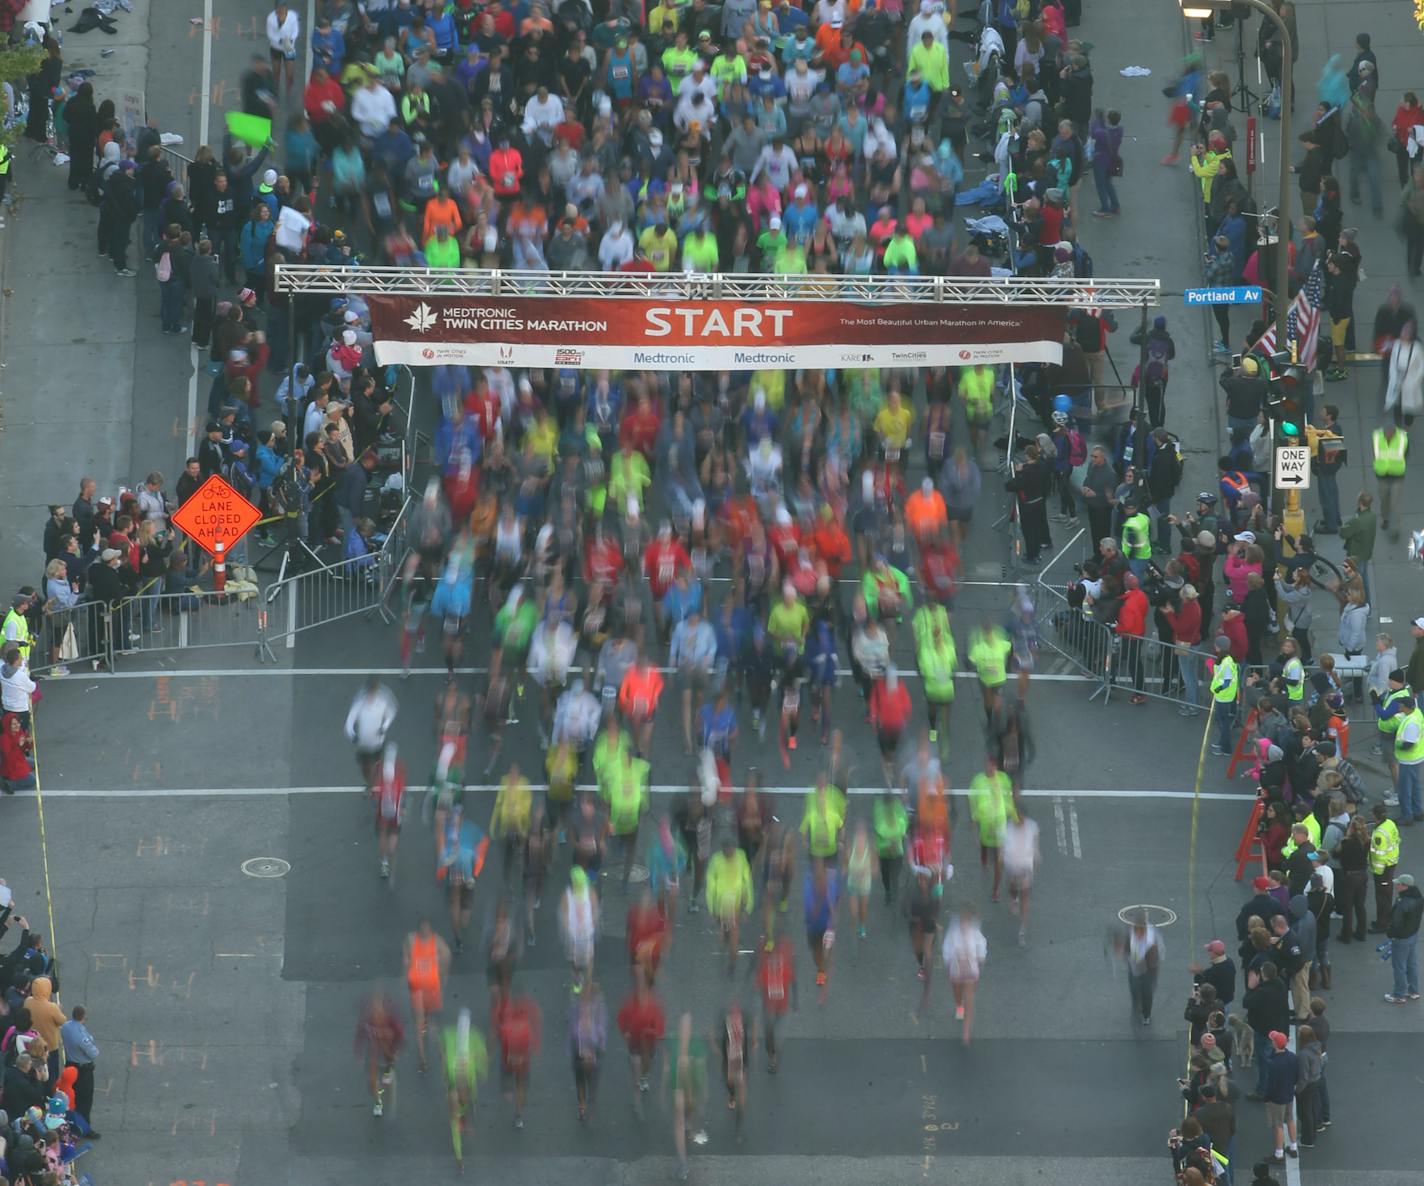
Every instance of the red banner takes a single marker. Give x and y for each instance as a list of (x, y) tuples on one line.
[(691, 335)]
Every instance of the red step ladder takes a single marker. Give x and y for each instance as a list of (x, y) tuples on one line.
[(1242, 751), (1250, 844)]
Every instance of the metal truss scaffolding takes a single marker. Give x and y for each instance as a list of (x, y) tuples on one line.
[(870, 290)]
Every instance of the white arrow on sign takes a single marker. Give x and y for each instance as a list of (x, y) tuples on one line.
[(1292, 467)]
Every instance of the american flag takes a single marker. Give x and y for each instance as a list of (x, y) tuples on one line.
[(1302, 320)]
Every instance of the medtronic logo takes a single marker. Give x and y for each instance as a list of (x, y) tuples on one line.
[(423, 319)]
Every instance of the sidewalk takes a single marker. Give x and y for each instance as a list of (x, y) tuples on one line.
[(1399, 46), (73, 347)]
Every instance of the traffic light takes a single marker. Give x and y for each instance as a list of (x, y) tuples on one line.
[(1285, 391)]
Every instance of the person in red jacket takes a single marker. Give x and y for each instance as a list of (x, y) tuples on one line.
[(1185, 620), (325, 104), (1131, 629), (16, 770), (889, 712)]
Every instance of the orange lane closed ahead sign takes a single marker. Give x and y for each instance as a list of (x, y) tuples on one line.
[(216, 513)]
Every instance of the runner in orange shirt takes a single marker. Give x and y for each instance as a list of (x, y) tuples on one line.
[(427, 958), (638, 700), (925, 512)]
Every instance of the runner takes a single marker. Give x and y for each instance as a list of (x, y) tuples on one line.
[(776, 978), (466, 1063), (1021, 858), (861, 866), (821, 895), (991, 798), (379, 1037), (889, 713), (388, 794), (502, 956), (685, 1068), (588, 1035), (462, 858), (892, 823), (427, 959), (510, 820), (451, 600), (367, 723), (736, 1038), (729, 894), (964, 953), (641, 1022), (922, 911), (667, 861), (578, 923), (648, 934), (418, 591), (516, 1022)]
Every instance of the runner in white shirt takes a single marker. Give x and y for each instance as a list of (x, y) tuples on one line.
[(283, 32), (370, 719), (1020, 853), (964, 952)]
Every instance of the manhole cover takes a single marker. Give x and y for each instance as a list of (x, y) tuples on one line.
[(266, 867), (1157, 916)]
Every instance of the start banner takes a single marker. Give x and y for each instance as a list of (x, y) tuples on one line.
[(691, 335)]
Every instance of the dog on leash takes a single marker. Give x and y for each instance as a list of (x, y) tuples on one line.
[(1243, 1041)]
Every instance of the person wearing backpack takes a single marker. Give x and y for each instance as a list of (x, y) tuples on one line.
[(1151, 373), (1070, 451)]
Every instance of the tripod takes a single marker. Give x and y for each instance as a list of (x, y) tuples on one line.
[(1244, 99)]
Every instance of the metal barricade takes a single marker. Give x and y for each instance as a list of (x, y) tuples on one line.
[(82, 631), (178, 163), (153, 623), (331, 592)]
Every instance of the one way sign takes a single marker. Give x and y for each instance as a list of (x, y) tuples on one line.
[(1293, 467)]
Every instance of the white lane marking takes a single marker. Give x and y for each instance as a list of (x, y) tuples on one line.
[(363, 672), (661, 789), (1060, 831), (1073, 829)]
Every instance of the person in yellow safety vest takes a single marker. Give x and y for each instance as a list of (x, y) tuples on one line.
[(1137, 540), (1389, 709), (976, 386), (1225, 692), (991, 802), (1384, 856), (1408, 755), (937, 657), (16, 629), (989, 650), (1391, 444), (1293, 672), (627, 799), (5, 159), (1305, 833)]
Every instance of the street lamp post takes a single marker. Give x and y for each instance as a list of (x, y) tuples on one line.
[(1200, 10)]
